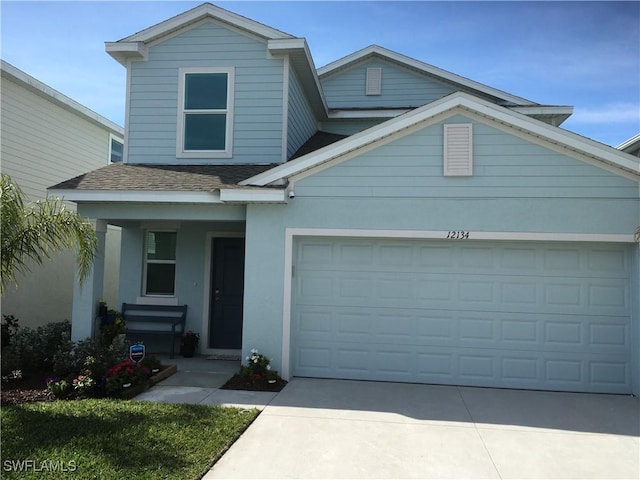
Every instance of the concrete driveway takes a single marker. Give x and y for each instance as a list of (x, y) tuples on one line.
[(349, 429)]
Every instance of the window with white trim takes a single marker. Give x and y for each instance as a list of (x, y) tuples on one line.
[(116, 149), (374, 81), (458, 150), (205, 112), (160, 263)]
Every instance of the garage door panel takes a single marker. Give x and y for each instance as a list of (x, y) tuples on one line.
[(516, 315), (489, 292), (426, 328), (477, 367)]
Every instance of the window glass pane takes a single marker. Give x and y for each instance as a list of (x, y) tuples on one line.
[(205, 131), (160, 278), (116, 151), (161, 245), (205, 90)]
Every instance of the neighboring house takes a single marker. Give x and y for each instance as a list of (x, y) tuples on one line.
[(631, 146), (48, 137), (378, 218)]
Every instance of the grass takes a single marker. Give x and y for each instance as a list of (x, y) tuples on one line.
[(114, 439)]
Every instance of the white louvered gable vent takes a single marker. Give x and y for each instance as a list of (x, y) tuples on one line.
[(458, 150), (374, 81)]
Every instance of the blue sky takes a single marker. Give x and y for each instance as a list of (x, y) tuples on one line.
[(585, 54)]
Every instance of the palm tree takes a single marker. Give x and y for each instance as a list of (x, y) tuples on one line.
[(31, 231)]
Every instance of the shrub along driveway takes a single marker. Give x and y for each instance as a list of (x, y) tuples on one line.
[(347, 429)]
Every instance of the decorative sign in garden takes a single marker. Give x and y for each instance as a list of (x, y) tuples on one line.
[(136, 352)]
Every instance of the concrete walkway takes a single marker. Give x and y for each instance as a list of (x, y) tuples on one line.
[(198, 380), (347, 429)]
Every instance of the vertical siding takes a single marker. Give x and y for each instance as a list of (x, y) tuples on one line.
[(258, 96), (301, 122), (400, 87)]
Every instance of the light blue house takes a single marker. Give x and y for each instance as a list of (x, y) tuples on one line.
[(377, 218)]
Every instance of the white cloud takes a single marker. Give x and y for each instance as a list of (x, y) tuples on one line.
[(610, 113)]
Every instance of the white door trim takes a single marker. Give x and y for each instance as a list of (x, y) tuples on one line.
[(453, 236)]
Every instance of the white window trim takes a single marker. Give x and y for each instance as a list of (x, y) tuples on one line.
[(146, 261), (113, 137), (228, 151)]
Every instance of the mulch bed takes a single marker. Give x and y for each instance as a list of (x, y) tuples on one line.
[(33, 389), (238, 382), (24, 390)]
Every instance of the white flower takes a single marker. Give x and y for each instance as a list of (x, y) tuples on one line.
[(253, 350), (247, 358), (268, 367), (255, 360)]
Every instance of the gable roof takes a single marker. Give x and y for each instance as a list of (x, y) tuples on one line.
[(135, 46), (461, 82), (570, 143)]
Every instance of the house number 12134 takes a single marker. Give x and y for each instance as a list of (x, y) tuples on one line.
[(458, 235)]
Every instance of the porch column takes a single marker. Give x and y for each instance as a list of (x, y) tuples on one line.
[(87, 295)]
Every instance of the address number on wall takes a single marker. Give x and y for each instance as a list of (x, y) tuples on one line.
[(458, 235)]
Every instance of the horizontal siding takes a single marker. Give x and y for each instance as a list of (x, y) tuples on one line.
[(505, 166), (43, 144), (258, 96), (400, 87), (349, 127), (301, 124)]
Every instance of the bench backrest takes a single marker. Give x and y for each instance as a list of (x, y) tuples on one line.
[(157, 314)]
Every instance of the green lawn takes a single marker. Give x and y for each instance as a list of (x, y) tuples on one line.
[(115, 439)]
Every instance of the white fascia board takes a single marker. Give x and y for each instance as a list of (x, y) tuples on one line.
[(58, 98), (137, 196), (296, 48), (124, 51), (501, 114), (543, 109), (553, 134), (389, 113), (353, 142), (629, 143), (423, 67), (248, 195), (205, 10)]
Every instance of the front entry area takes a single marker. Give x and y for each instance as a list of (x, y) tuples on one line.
[(530, 315), (227, 293)]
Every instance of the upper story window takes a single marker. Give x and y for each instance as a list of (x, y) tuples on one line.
[(205, 113), (116, 149)]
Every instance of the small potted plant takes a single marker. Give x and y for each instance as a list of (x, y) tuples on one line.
[(188, 343)]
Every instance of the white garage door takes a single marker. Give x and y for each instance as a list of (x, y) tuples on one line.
[(551, 316)]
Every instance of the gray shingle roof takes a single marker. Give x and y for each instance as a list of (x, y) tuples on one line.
[(200, 178)]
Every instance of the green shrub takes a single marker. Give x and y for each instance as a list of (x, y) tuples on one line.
[(8, 329), (33, 350)]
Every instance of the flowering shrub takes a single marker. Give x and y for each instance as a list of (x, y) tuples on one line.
[(258, 367), (125, 374), (59, 387), (84, 383)]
